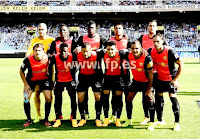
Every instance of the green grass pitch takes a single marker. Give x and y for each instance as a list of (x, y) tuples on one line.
[(12, 114)]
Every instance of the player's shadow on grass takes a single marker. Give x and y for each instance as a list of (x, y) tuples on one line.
[(16, 125), (189, 93)]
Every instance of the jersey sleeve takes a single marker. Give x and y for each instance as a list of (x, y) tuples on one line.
[(140, 39), (52, 49), (149, 51), (30, 48), (149, 62), (102, 42), (173, 55), (25, 64), (80, 41)]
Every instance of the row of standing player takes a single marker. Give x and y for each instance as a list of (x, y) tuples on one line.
[(95, 42)]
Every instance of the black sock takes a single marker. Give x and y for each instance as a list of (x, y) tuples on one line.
[(58, 105), (98, 109), (119, 105), (47, 110), (151, 110), (175, 108), (106, 105), (113, 103), (27, 108), (159, 102), (81, 109), (145, 105), (72, 95), (129, 108), (86, 98)]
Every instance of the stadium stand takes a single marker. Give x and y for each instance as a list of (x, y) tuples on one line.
[(180, 37), (13, 3), (94, 3), (51, 3), (134, 2)]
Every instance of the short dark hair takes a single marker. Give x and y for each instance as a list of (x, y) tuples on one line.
[(159, 35), (110, 43), (91, 22), (134, 42), (118, 23), (153, 20), (62, 25), (62, 45), (85, 44), (38, 45)]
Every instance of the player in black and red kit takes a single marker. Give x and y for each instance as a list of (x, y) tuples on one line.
[(96, 41), (147, 42), (141, 65), (55, 49), (164, 59), (64, 38), (64, 78), (122, 42), (113, 78), (37, 65), (90, 75)]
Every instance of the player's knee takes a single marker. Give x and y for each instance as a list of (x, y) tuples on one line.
[(80, 98), (97, 98), (48, 98), (129, 98)]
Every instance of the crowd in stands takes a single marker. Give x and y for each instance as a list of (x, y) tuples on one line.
[(181, 37), (94, 3), (175, 2), (13, 3), (134, 2), (51, 3)]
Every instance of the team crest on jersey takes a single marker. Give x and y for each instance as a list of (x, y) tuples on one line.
[(117, 59), (141, 64), (165, 58)]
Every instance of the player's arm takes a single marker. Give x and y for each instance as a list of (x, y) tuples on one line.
[(52, 49), (150, 77), (125, 66), (73, 71), (50, 68), (102, 42), (22, 74), (175, 57), (77, 46), (30, 50), (149, 68)]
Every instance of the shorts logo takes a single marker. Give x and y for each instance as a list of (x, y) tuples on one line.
[(165, 58)]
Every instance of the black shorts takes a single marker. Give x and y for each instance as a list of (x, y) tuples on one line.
[(43, 84), (86, 81), (138, 86), (113, 82), (164, 86), (60, 86)]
